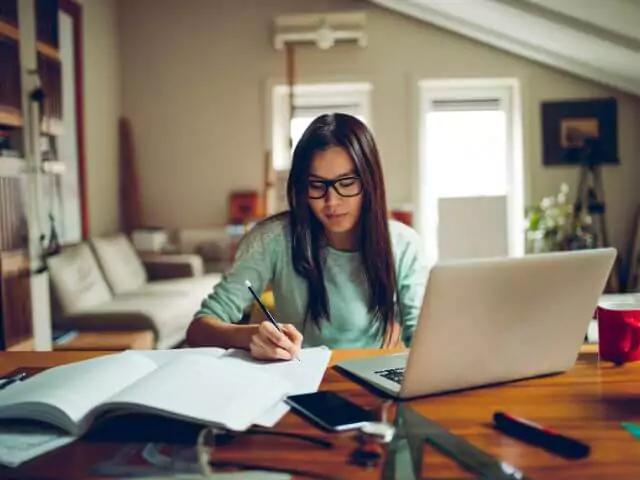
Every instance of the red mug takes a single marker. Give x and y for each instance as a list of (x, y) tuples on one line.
[(619, 332)]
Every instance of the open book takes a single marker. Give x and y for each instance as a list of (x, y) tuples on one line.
[(224, 387), (196, 386)]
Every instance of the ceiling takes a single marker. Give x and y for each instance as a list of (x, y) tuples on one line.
[(595, 39)]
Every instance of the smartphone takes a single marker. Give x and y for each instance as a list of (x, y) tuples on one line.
[(330, 410)]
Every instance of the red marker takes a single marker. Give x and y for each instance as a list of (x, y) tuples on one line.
[(540, 436)]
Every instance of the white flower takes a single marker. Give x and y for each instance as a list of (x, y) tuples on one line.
[(564, 188), (547, 202)]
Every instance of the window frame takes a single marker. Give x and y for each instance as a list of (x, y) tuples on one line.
[(345, 96), (508, 91)]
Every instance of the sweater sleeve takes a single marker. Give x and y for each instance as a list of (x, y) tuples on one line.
[(412, 280), (254, 261)]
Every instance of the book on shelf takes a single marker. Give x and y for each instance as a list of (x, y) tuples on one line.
[(8, 153), (60, 337)]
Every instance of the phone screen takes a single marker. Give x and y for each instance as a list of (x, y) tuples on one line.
[(330, 410)]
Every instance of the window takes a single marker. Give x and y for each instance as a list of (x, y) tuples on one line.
[(467, 144), (310, 101), (470, 168), (303, 117)]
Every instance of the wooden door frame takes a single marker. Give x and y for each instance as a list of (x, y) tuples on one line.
[(74, 10)]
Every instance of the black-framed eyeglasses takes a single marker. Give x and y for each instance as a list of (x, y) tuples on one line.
[(350, 186)]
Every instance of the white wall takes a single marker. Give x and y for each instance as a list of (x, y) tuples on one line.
[(102, 92), (194, 87)]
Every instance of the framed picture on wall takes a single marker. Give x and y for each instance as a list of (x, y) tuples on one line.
[(576, 131)]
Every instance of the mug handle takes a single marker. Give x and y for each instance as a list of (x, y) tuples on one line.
[(633, 329)]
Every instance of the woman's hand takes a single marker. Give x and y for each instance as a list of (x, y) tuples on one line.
[(269, 344)]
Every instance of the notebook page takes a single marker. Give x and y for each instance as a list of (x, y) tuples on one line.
[(305, 376), (160, 357), (19, 443), (74, 389), (204, 389)]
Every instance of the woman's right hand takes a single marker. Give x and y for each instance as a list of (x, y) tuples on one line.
[(269, 344)]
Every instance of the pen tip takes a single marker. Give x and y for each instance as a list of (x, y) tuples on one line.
[(247, 283)]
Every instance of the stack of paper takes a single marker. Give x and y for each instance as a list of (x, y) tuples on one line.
[(224, 388), (303, 376)]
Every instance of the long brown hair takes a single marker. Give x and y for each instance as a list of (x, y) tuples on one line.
[(349, 133)]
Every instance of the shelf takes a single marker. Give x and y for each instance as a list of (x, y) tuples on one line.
[(10, 119), (8, 30), (49, 127), (12, 167), (48, 51), (25, 344)]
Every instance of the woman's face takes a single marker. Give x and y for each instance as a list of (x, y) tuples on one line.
[(335, 190)]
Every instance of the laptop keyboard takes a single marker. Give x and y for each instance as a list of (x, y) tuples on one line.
[(393, 374)]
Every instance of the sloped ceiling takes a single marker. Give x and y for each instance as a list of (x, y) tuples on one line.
[(595, 39)]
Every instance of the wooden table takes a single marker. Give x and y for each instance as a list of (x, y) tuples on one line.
[(589, 402)]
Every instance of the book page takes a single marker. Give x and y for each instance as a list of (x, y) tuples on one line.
[(305, 375), (206, 390), (63, 395)]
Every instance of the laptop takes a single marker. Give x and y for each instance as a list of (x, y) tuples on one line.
[(490, 321)]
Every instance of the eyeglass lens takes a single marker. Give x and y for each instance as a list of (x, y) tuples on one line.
[(345, 187)]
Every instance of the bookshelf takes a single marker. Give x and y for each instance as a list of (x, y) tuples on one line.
[(51, 52), (49, 65), (16, 332)]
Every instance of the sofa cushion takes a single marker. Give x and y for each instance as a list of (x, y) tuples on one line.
[(122, 267), (77, 280), (165, 306), (193, 287)]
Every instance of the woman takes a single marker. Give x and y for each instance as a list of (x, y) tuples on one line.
[(342, 274)]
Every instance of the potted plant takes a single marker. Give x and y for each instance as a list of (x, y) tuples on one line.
[(553, 225)]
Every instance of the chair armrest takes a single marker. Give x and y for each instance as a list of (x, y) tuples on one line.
[(168, 265)]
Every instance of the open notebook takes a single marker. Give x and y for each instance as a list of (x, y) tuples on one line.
[(210, 386), (206, 385)]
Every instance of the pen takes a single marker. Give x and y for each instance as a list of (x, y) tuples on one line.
[(538, 435), (12, 379), (266, 311)]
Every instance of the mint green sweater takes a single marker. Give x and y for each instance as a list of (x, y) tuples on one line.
[(264, 257)]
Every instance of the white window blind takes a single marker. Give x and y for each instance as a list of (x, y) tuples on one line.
[(466, 146), (466, 105), (316, 111)]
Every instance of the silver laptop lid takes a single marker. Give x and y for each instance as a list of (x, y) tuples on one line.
[(494, 320)]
